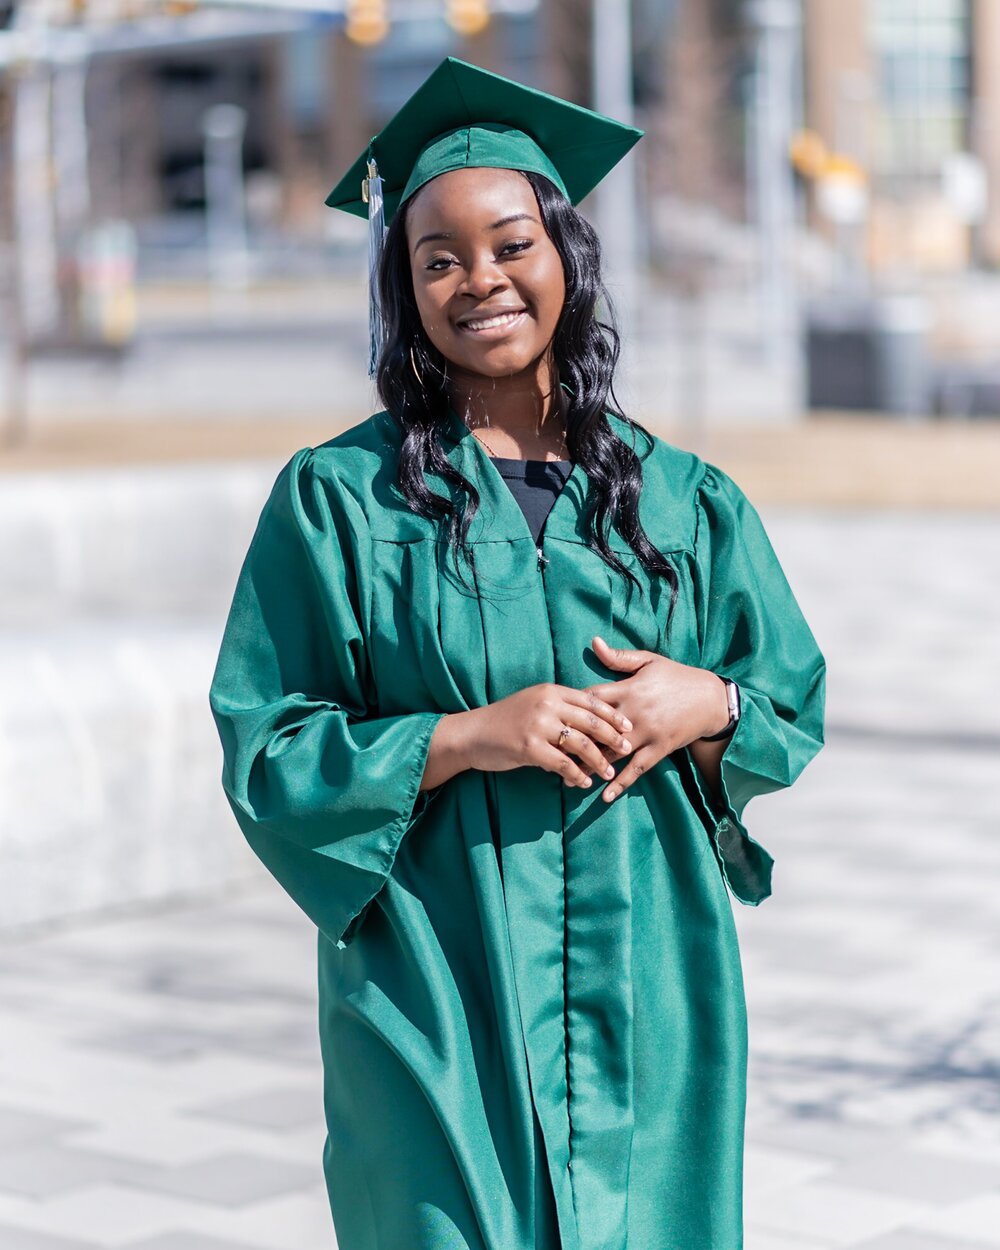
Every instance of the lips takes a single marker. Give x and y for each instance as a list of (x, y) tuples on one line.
[(500, 321)]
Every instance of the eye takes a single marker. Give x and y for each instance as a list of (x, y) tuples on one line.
[(518, 245), (439, 262)]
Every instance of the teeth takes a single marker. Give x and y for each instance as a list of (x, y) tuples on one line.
[(502, 320)]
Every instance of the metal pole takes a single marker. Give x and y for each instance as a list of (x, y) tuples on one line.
[(777, 23), (12, 424), (34, 204), (225, 217), (617, 215), (69, 138)]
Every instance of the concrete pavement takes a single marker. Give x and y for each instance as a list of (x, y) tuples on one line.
[(159, 1067)]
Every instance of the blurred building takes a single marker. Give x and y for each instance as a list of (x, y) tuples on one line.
[(312, 99), (911, 91), (147, 73), (110, 116)]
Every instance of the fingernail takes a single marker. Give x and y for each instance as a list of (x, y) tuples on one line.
[(587, 781), (611, 794), (609, 771), (600, 639), (626, 724), (626, 745)]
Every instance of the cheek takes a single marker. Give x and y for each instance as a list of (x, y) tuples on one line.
[(432, 316), (552, 292)]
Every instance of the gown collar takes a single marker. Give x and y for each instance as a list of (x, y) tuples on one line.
[(500, 518)]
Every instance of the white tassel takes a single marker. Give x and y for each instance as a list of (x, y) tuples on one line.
[(371, 192)]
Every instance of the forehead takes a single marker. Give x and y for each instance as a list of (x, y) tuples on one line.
[(469, 199)]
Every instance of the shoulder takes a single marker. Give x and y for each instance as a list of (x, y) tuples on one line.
[(358, 455), (341, 469), (667, 466), (674, 482), (356, 472)]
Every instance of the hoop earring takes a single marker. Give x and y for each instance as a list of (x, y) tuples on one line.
[(416, 371)]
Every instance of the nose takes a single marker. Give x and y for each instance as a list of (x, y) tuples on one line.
[(483, 277)]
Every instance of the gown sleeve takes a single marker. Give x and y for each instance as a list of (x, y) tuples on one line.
[(752, 630), (323, 788)]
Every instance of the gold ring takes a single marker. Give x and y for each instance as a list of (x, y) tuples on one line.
[(563, 735)]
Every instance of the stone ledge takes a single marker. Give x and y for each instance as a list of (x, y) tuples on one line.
[(110, 769)]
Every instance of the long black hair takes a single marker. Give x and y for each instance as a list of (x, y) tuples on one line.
[(412, 384)]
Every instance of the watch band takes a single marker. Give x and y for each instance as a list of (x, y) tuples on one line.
[(733, 695)]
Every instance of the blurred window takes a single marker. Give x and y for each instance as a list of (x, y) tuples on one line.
[(922, 52)]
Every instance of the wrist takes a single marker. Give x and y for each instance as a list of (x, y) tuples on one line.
[(461, 736), (723, 708), (448, 753)]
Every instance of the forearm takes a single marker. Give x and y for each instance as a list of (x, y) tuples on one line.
[(708, 758), (708, 755), (448, 752)]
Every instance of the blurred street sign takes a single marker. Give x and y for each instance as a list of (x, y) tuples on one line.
[(106, 261)]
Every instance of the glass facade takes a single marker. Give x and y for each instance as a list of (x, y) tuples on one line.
[(922, 51)]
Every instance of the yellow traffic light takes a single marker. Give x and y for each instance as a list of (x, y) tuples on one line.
[(808, 153), (844, 168), (468, 17), (367, 22)]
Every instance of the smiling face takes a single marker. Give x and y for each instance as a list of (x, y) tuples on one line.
[(488, 280)]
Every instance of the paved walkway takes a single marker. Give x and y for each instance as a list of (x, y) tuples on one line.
[(159, 1072)]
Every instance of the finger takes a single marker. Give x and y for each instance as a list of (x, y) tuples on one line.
[(594, 703), (607, 692), (632, 771), (612, 754), (596, 728), (556, 761), (620, 657), (580, 744)]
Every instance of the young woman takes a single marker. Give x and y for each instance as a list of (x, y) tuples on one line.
[(501, 672)]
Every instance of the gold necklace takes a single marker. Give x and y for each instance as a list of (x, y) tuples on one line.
[(493, 455)]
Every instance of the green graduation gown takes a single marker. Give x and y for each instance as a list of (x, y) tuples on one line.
[(532, 1018)]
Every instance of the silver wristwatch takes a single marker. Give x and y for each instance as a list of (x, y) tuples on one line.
[(733, 695)]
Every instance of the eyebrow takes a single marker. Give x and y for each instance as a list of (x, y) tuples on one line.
[(504, 221)]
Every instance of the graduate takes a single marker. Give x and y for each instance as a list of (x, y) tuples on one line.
[(501, 674)]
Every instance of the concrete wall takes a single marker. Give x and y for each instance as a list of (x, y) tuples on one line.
[(113, 591)]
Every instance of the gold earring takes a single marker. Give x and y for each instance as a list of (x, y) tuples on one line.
[(416, 371)]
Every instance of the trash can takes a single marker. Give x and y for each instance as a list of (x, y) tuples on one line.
[(902, 328), (840, 349), (868, 354)]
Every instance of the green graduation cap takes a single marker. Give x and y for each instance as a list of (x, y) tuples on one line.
[(464, 117)]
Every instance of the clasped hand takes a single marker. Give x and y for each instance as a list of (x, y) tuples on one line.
[(658, 706), (669, 704)]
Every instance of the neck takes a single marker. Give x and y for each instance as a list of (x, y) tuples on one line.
[(525, 408)]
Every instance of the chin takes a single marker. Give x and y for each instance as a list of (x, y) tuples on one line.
[(498, 363)]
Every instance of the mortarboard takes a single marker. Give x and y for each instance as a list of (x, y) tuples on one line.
[(464, 117)]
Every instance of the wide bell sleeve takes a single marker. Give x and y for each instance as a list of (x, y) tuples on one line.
[(751, 629), (323, 788)]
